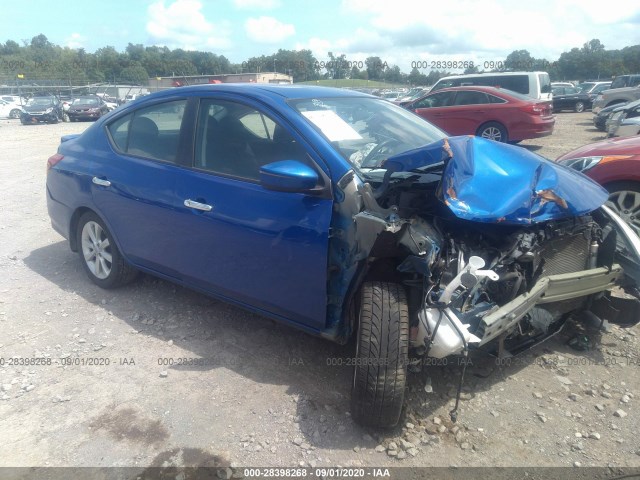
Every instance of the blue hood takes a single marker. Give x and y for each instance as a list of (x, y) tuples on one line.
[(486, 181)]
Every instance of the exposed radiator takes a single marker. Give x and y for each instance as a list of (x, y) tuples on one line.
[(566, 254)]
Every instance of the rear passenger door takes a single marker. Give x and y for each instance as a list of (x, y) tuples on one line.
[(134, 189), (468, 112)]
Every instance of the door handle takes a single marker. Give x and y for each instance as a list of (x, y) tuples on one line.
[(101, 181), (197, 205)]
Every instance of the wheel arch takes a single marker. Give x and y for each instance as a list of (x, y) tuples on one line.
[(73, 228)]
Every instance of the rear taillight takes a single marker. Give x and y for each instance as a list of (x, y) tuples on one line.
[(53, 160), (542, 108)]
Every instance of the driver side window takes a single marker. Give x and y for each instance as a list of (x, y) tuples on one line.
[(233, 139), (436, 100)]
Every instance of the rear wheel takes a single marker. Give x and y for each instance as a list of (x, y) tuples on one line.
[(578, 107), (15, 113), (624, 199), (493, 131), (380, 372), (100, 256)]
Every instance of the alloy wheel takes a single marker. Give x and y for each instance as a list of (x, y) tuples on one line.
[(626, 203), (96, 250)]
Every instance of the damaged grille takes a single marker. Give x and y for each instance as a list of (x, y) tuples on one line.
[(567, 254)]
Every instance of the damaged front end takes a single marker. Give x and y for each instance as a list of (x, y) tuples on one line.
[(495, 245)]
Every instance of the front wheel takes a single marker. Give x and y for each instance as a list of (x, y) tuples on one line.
[(493, 131), (380, 372), (15, 113), (579, 107), (100, 256)]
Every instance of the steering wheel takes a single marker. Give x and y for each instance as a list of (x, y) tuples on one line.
[(375, 151)]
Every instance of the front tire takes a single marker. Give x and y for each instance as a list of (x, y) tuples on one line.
[(15, 113), (99, 254), (493, 131), (379, 376), (579, 107)]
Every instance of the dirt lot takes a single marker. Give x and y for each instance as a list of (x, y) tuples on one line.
[(111, 388)]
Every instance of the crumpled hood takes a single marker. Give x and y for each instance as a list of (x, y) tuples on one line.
[(486, 181)]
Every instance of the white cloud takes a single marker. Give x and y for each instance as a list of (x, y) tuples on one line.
[(75, 40), (268, 29), (181, 24), (461, 30), (257, 4)]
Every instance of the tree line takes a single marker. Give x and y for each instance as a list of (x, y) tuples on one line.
[(38, 60)]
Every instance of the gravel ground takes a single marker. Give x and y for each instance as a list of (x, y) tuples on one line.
[(250, 392)]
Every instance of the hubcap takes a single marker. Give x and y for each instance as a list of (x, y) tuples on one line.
[(96, 250), (626, 203), (492, 133)]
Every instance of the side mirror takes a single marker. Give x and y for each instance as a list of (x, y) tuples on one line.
[(288, 176)]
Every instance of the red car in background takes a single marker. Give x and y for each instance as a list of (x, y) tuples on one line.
[(615, 164), (494, 113)]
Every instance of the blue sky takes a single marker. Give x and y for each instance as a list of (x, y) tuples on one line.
[(399, 32)]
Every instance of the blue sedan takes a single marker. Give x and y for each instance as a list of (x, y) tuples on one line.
[(340, 214)]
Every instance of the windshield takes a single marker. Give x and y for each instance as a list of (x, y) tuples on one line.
[(367, 131), (85, 101), (585, 87), (40, 101)]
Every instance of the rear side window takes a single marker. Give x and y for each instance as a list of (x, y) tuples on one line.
[(517, 83), (545, 83), (152, 132), (471, 98)]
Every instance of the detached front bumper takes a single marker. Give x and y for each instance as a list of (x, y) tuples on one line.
[(38, 117), (557, 288), (554, 288)]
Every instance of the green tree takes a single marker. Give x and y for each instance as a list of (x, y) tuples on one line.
[(519, 60), (417, 78), (375, 68), (135, 75), (11, 48)]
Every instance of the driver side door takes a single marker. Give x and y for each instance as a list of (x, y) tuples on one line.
[(434, 108), (261, 248)]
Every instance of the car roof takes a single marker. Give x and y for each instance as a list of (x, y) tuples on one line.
[(497, 91), (274, 91)]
